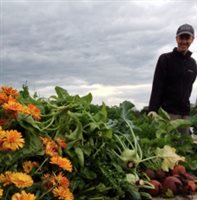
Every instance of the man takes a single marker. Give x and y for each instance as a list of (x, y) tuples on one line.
[(174, 76)]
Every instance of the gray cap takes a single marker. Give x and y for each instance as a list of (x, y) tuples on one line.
[(185, 29)]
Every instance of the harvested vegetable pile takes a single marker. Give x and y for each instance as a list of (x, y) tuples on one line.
[(65, 147)]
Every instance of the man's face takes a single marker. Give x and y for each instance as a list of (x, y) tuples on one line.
[(183, 42)]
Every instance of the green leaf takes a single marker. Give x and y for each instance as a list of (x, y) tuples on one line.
[(80, 156), (145, 196), (101, 115), (28, 123), (87, 99), (62, 93), (77, 134), (163, 114), (126, 108), (33, 145), (107, 133), (180, 123), (89, 174)]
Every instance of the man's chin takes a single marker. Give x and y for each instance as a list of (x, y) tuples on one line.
[(183, 50)]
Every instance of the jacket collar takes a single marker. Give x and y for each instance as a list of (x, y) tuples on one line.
[(188, 54)]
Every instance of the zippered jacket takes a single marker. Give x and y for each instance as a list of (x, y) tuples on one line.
[(174, 76)]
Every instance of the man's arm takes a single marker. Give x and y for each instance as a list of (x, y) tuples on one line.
[(158, 84)]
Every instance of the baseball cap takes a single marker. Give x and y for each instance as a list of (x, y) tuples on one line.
[(185, 29)]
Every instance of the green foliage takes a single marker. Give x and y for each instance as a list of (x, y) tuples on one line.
[(96, 137)]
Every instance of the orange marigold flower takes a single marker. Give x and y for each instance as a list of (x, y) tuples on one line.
[(13, 140), (63, 193), (23, 196), (9, 91), (61, 142), (6, 179), (1, 192), (45, 140), (51, 148), (64, 163), (12, 106), (62, 180), (2, 137), (25, 110), (49, 181), (3, 98), (56, 180), (21, 180), (29, 165), (34, 111)]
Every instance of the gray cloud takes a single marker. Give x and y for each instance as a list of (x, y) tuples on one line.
[(74, 43)]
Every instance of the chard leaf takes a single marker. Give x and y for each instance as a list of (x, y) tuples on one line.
[(169, 156), (180, 123)]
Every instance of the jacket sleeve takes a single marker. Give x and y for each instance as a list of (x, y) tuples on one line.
[(158, 84)]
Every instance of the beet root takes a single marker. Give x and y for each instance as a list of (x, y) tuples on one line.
[(150, 173), (157, 188), (173, 184), (189, 176), (160, 174)]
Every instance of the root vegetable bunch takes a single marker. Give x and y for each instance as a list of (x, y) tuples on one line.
[(169, 184)]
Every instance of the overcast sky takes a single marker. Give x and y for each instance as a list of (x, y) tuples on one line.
[(106, 47)]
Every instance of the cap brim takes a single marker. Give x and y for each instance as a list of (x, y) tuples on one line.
[(185, 32)]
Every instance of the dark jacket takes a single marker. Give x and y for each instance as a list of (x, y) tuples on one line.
[(174, 76)]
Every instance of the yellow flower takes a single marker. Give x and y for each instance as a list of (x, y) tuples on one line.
[(29, 165), (21, 180), (13, 140), (1, 192), (23, 196), (64, 163), (2, 137), (5, 179), (63, 193), (170, 158)]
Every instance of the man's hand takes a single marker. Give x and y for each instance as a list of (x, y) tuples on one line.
[(152, 114)]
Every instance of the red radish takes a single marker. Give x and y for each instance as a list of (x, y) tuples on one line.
[(150, 173), (157, 188), (178, 169), (173, 184), (189, 187)]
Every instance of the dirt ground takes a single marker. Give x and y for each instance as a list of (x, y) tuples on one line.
[(193, 197)]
